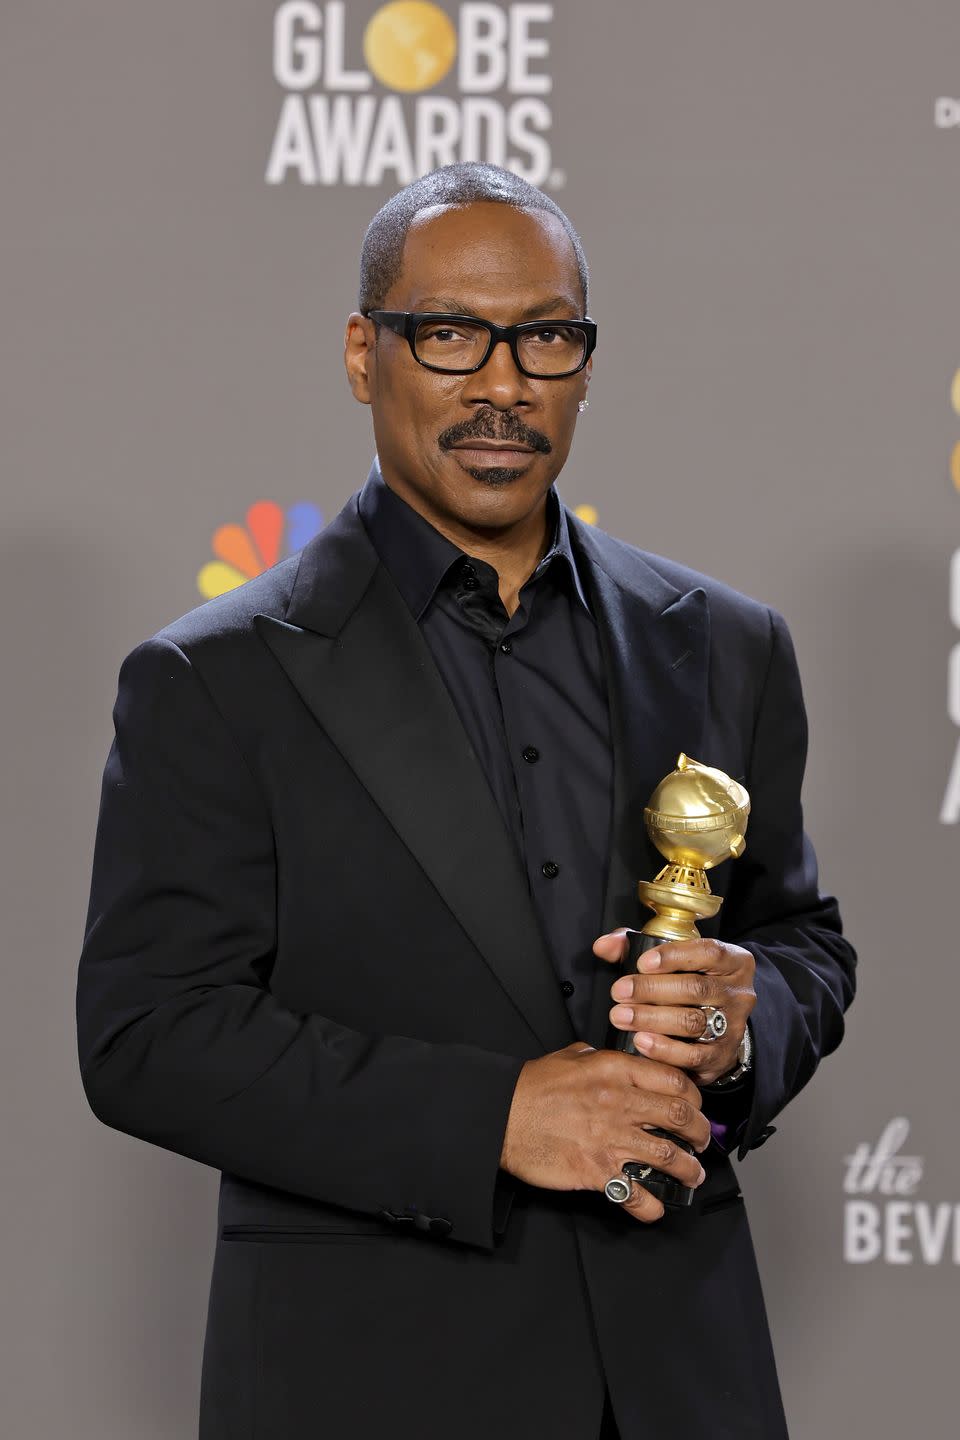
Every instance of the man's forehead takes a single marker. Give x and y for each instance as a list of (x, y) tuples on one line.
[(474, 254), (485, 302)]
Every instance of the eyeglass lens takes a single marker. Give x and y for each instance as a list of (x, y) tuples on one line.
[(550, 350)]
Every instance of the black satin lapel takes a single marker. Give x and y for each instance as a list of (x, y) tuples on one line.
[(375, 690), (657, 667)]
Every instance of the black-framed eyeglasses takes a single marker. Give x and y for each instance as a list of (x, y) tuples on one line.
[(461, 344)]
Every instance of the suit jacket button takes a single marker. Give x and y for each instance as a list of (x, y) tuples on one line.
[(440, 1226)]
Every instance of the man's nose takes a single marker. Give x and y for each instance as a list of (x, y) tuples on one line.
[(498, 382)]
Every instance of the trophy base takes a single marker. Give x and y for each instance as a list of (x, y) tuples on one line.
[(668, 1191)]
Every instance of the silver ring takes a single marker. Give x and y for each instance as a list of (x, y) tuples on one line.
[(716, 1024), (618, 1189)]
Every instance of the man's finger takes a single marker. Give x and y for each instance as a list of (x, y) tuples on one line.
[(707, 1062), (660, 1079), (683, 988), (666, 1155), (685, 1022), (643, 1206), (611, 947), (712, 957), (676, 1108)]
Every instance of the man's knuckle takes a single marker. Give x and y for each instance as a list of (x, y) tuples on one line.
[(608, 1163), (646, 1207), (693, 1021), (663, 1151), (680, 1112), (702, 988)]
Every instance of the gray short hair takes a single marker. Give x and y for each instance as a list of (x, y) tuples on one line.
[(381, 257)]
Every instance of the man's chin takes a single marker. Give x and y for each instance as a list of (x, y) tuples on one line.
[(494, 477)]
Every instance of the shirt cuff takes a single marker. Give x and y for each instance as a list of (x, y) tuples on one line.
[(728, 1111)]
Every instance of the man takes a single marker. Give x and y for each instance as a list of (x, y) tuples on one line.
[(369, 827)]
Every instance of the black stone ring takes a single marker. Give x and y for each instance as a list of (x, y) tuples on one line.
[(716, 1024), (619, 1188)]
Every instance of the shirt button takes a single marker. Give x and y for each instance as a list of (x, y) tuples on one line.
[(567, 988), (531, 754), (550, 869), (470, 582), (505, 647)]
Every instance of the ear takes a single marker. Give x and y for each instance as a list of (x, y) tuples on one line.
[(358, 354), (585, 376)]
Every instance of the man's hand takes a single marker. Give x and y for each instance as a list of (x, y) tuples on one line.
[(662, 1001), (578, 1114)]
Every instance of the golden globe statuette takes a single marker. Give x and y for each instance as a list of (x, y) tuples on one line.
[(697, 818)]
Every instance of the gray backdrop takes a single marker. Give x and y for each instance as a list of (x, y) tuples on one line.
[(769, 198)]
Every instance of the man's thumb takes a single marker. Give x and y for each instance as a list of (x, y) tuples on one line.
[(611, 947)]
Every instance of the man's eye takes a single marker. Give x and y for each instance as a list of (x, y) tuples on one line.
[(441, 333), (553, 336)]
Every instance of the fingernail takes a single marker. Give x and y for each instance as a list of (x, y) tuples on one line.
[(650, 960), (623, 988), (643, 1041), (621, 1015)]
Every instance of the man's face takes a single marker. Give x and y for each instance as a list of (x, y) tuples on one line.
[(477, 451)]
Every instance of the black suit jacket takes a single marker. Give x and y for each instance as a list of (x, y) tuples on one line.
[(312, 962)]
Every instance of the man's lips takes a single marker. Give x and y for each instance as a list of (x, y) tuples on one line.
[(480, 454), (494, 445)]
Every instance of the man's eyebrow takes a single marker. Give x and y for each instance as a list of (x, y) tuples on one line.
[(444, 305), (552, 307), (541, 309)]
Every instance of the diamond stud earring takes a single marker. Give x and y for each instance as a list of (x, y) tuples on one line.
[(582, 405)]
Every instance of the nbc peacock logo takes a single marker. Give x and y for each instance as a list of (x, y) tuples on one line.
[(243, 551)]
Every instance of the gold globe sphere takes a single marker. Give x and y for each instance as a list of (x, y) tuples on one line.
[(697, 816)]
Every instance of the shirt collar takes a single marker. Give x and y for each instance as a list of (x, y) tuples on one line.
[(562, 550), (419, 557)]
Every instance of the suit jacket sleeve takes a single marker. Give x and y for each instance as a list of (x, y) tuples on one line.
[(805, 967), (181, 1042)]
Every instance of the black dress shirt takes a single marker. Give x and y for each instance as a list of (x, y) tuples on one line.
[(530, 691)]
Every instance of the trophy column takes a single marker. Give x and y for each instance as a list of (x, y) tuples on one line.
[(697, 818)]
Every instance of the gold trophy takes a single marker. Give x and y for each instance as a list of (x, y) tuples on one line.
[(697, 818)]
